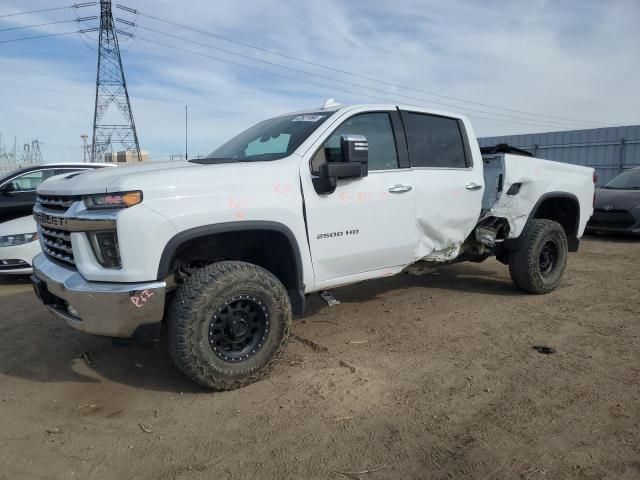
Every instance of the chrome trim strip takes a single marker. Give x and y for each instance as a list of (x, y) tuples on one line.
[(93, 221)]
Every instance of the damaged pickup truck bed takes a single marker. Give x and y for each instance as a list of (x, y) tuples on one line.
[(219, 252)]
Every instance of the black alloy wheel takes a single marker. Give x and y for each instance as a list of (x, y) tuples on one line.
[(539, 264), (239, 328), (548, 258)]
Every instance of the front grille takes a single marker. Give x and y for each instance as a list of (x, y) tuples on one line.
[(57, 244), (611, 218), (59, 203)]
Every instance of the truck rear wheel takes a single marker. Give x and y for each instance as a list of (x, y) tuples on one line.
[(226, 324), (539, 265)]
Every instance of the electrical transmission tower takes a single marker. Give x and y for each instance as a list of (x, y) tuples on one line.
[(31, 154), (113, 119)]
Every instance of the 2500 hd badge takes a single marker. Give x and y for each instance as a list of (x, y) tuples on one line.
[(337, 234)]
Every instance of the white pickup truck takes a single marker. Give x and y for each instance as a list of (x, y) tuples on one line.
[(221, 251)]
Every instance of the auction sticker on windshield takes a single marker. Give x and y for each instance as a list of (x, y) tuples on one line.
[(307, 118)]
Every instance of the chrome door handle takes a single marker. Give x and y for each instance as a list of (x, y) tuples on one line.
[(400, 188), (473, 186)]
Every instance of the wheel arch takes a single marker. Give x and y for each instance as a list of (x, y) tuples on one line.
[(564, 208), (282, 258)]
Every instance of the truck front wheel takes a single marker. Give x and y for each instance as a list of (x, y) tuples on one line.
[(226, 324), (539, 265)]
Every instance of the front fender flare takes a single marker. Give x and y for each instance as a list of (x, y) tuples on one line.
[(296, 293)]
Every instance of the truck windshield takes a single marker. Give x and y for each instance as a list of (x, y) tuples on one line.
[(269, 140), (629, 180)]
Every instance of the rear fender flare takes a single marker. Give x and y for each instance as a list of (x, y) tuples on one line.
[(572, 237)]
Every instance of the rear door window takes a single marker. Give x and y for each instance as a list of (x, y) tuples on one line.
[(434, 141)]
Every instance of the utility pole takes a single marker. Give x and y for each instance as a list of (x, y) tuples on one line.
[(116, 124), (84, 137), (186, 132)]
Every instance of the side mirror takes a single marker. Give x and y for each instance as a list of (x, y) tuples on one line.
[(8, 188), (354, 156), (355, 149)]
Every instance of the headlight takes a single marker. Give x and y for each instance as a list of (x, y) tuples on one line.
[(21, 239), (105, 247), (113, 200)]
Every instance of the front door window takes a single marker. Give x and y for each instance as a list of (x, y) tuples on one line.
[(376, 127)]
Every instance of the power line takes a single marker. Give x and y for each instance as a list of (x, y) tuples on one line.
[(82, 35), (345, 72), (83, 19), (75, 5), (344, 82), (317, 84), (48, 35)]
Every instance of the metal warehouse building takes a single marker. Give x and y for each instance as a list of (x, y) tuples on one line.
[(608, 150)]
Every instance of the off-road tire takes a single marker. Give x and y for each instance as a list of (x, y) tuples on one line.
[(195, 303), (525, 264)]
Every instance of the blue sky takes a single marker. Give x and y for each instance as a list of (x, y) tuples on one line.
[(575, 59)]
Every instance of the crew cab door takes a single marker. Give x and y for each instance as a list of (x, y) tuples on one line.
[(367, 224), (448, 182)]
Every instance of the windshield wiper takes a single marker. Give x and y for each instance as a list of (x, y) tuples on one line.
[(210, 160)]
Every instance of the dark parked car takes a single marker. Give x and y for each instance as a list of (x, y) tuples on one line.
[(18, 188), (617, 205)]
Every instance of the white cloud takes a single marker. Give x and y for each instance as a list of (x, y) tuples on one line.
[(569, 59)]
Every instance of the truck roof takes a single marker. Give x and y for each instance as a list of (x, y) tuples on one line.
[(378, 106)]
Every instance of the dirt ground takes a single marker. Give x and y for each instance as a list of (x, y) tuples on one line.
[(410, 377)]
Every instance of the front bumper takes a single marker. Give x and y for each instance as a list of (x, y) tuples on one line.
[(99, 308), (615, 221), (17, 259)]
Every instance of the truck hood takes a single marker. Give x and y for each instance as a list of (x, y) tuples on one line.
[(617, 199), (180, 179), (99, 181)]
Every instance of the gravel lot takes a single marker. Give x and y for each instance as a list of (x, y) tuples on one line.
[(410, 377)]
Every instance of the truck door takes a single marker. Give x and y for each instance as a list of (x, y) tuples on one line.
[(448, 183), (367, 224)]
